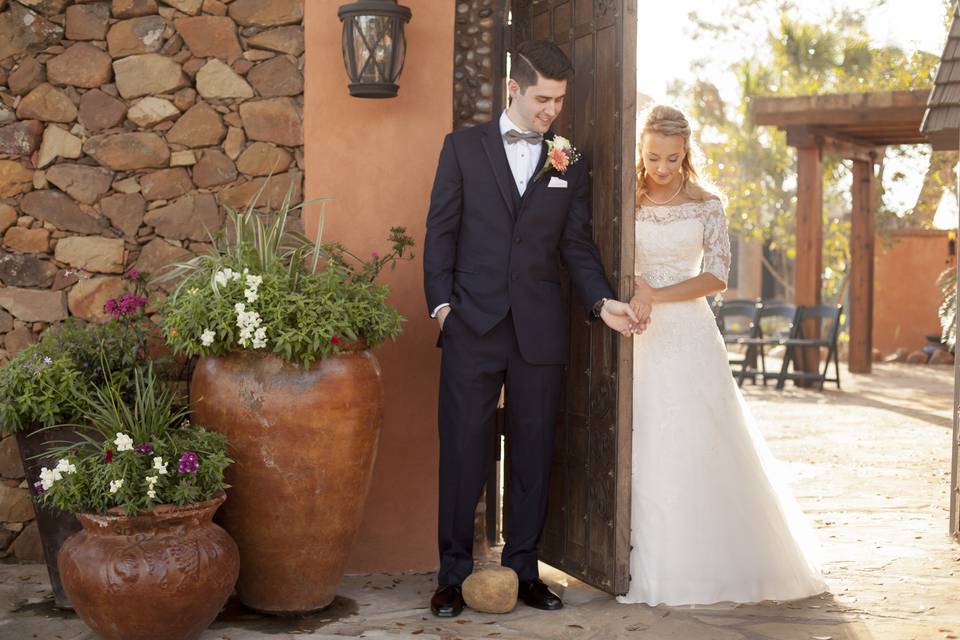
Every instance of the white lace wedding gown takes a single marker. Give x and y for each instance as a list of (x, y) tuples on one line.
[(710, 521)]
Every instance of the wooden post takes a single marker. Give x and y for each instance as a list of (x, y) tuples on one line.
[(955, 455), (808, 266), (861, 268)]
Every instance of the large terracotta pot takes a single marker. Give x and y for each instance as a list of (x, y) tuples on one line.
[(53, 526), (160, 575), (304, 440)]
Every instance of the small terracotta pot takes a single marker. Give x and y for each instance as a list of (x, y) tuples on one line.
[(304, 440), (160, 575)]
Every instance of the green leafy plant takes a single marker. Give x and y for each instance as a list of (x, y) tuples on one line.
[(266, 287), (136, 450), (42, 384)]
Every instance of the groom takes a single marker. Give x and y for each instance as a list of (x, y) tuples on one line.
[(497, 230)]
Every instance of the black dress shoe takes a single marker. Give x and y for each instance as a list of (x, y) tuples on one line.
[(447, 601), (534, 593)]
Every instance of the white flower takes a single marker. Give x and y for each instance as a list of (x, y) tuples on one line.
[(225, 276), (123, 442), (48, 477), (65, 466), (253, 282), (160, 465), (239, 307), (115, 485), (559, 142), (151, 494), (152, 480), (248, 322), (250, 295), (207, 337)]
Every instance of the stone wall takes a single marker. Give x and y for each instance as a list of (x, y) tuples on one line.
[(126, 127)]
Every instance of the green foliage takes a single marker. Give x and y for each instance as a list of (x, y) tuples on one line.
[(753, 165), (267, 287), (43, 384), (136, 451)]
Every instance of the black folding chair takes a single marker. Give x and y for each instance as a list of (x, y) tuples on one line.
[(775, 322), (737, 320), (824, 320)]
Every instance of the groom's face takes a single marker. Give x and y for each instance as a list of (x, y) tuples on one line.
[(539, 105)]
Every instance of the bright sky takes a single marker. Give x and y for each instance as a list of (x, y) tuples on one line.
[(665, 49), (665, 52)]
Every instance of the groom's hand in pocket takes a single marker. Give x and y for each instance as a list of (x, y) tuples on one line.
[(442, 314)]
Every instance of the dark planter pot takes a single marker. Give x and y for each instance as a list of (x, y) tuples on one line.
[(304, 440), (161, 575), (53, 526)]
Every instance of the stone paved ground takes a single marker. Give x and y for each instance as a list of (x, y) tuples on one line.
[(870, 465)]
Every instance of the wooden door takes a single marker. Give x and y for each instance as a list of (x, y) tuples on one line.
[(588, 524)]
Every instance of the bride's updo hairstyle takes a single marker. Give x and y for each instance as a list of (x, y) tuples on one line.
[(670, 121)]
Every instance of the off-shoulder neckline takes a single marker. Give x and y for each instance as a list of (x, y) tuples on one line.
[(677, 206)]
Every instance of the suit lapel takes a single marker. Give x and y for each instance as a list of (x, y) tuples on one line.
[(493, 147), (543, 156)]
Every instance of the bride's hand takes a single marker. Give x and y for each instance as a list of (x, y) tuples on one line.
[(642, 302)]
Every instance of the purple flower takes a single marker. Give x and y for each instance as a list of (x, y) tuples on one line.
[(144, 449), (124, 305), (38, 487), (47, 360), (375, 255), (188, 462), (133, 274)]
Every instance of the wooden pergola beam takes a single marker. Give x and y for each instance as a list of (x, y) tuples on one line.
[(875, 108), (847, 147)]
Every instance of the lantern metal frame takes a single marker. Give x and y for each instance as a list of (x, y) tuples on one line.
[(386, 70)]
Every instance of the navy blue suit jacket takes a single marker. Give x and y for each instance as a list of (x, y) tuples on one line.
[(489, 251)]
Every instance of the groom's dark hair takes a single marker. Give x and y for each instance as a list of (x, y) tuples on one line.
[(538, 57)]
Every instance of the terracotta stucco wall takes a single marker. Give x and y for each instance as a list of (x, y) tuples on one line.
[(377, 159), (906, 296)]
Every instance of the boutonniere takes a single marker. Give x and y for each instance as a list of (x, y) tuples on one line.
[(560, 155)]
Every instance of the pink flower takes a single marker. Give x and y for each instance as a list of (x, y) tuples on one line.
[(108, 458), (559, 159), (375, 255), (334, 340), (124, 305), (133, 274)]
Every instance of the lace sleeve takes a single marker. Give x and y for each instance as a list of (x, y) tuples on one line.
[(716, 242)]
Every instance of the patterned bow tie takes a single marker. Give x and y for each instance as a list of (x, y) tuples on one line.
[(512, 136)]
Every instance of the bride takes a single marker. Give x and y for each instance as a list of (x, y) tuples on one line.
[(710, 521)]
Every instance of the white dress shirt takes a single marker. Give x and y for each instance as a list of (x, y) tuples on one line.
[(522, 157)]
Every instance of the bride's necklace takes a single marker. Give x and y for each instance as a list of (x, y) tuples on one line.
[(675, 194)]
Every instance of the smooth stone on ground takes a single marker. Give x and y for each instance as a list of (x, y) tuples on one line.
[(491, 590)]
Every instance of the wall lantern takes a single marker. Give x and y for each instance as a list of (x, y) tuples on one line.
[(374, 46)]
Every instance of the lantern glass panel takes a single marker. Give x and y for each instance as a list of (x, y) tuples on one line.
[(373, 46)]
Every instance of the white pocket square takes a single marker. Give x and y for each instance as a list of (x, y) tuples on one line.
[(556, 182)]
